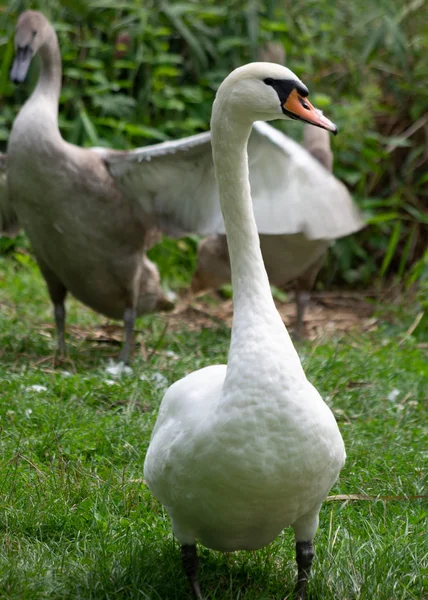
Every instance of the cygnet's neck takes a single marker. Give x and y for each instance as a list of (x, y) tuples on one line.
[(43, 102)]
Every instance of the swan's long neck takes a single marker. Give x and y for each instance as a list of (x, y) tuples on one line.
[(261, 352), (251, 290)]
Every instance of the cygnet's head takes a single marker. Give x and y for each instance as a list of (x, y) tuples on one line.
[(264, 91), (151, 298), (31, 31), (213, 265)]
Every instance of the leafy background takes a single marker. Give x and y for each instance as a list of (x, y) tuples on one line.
[(138, 73)]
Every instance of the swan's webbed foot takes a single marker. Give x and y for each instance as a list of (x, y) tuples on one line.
[(304, 555), (129, 317), (189, 558)]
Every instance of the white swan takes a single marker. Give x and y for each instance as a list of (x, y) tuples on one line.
[(241, 451), (90, 214)]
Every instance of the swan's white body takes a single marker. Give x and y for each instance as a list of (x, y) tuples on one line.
[(241, 451), (234, 465)]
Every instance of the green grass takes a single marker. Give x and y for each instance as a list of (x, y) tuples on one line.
[(77, 521)]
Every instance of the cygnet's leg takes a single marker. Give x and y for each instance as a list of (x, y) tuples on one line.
[(57, 293), (304, 531), (59, 311), (129, 317), (302, 301), (304, 284), (190, 561)]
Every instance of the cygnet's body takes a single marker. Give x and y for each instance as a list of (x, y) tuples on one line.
[(85, 235), (102, 266)]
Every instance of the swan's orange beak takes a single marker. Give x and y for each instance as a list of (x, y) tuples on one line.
[(299, 107)]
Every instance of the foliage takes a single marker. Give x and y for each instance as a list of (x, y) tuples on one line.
[(78, 522), (137, 73)]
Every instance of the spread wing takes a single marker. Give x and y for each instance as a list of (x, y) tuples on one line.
[(8, 219), (174, 183), (292, 192)]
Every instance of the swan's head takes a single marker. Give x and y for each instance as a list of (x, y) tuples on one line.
[(265, 91), (31, 31)]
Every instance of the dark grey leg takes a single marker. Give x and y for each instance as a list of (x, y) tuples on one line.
[(189, 558), (129, 321), (302, 301), (304, 555), (304, 284), (59, 311), (57, 293)]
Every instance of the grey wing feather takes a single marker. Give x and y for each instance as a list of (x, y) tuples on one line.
[(294, 192), (8, 219), (174, 183)]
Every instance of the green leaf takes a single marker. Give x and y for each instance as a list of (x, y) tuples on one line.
[(144, 131), (228, 43), (88, 126), (383, 217), (185, 32), (406, 251), (166, 71), (392, 246)]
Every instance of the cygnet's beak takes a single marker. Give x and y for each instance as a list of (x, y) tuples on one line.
[(164, 303), (21, 64)]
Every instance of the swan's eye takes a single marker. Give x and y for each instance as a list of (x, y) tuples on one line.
[(268, 81), (34, 32), (304, 104)]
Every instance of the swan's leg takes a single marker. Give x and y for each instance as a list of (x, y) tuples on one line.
[(304, 555), (129, 317), (304, 531), (189, 558)]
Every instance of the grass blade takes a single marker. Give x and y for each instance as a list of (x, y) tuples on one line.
[(392, 246)]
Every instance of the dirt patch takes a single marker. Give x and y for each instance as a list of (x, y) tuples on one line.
[(328, 313)]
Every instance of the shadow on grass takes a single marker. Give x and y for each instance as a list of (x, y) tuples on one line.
[(39, 351), (156, 573), (36, 349)]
